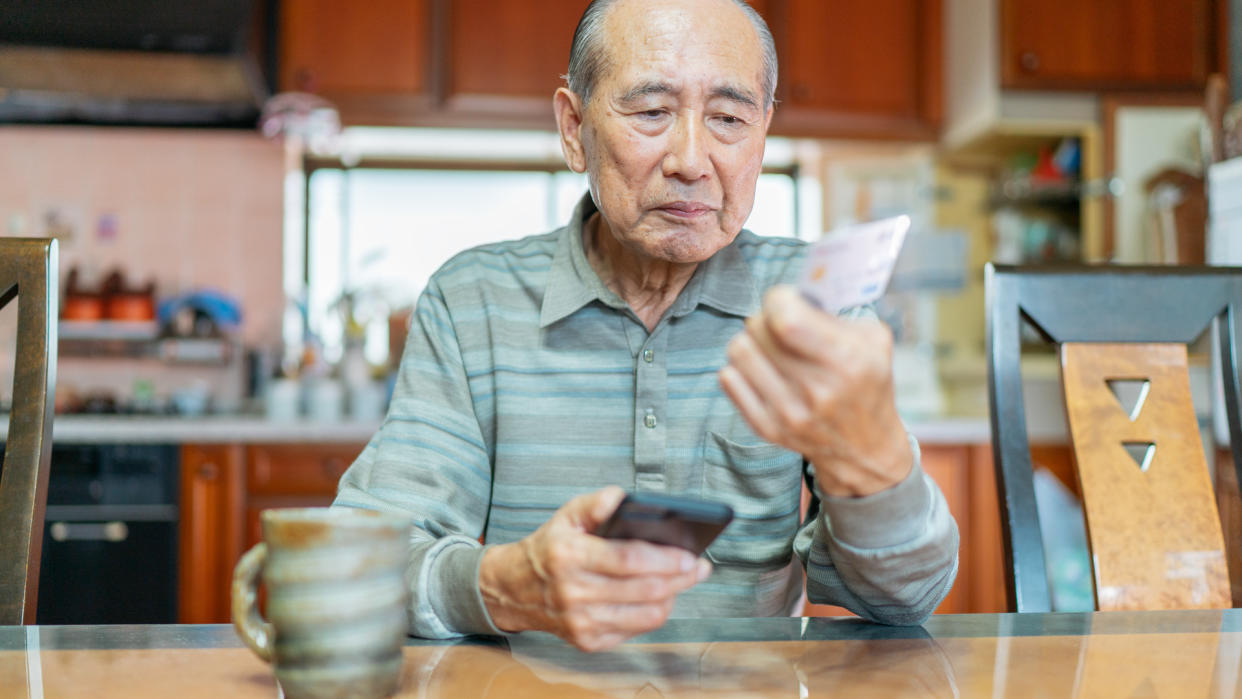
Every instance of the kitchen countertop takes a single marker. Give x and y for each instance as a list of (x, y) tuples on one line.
[(135, 429), (144, 429)]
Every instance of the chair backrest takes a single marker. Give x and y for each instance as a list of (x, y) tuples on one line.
[(27, 273), (1152, 521)]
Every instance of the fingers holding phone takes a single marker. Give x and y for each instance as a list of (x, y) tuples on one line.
[(590, 591)]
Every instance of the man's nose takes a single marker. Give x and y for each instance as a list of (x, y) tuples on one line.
[(688, 157)]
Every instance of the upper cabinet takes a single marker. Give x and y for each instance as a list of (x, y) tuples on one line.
[(1108, 44), (868, 68), (848, 68), (506, 58), (370, 58)]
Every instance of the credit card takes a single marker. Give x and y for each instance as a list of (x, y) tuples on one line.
[(850, 266)]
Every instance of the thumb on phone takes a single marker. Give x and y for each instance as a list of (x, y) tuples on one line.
[(587, 512)]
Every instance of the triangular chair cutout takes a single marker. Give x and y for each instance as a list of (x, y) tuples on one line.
[(1141, 452), (1130, 394)]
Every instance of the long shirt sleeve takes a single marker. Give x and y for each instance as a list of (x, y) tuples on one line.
[(889, 557), (430, 462)]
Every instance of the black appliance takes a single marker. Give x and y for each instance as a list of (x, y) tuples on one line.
[(110, 536), (148, 62)]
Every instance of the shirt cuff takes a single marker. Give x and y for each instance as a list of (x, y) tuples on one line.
[(455, 596), (888, 518)]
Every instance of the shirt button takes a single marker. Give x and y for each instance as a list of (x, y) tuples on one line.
[(649, 420), (648, 355)]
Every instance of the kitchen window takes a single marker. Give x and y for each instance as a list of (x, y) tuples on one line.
[(380, 220)]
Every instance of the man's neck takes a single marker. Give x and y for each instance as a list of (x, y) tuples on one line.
[(648, 286)]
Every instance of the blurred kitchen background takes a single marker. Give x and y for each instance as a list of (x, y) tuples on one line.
[(250, 194)]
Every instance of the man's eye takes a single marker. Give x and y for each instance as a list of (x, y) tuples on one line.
[(730, 120), (651, 113)]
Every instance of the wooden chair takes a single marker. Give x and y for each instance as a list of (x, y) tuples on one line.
[(27, 273), (1152, 522)]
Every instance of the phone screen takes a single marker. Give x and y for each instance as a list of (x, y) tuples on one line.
[(668, 520)]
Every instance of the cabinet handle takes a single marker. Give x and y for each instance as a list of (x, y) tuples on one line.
[(1030, 61), (304, 80), (208, 472), (112, 532)]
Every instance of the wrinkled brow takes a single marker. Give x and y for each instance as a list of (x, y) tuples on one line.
[(656, 87), (651, 87), (736, 94)]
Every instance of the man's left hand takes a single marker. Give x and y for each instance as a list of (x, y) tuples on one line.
[(822, 386)]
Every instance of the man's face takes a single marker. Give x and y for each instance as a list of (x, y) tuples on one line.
[(672, 138)]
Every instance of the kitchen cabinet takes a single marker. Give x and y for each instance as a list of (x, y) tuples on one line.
[(224, 487), (1105, 44), (211, 533), (857, 68), (292, 475), (849, 68), (371, 59), (505, 58)]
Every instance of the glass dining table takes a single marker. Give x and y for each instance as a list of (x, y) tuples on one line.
[(1159, 654)]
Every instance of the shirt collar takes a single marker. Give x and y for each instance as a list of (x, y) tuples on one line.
[(723, 281)]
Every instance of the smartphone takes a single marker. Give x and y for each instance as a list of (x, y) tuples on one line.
[(668, 520)]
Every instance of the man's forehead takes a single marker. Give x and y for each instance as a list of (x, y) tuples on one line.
[(671, 40)]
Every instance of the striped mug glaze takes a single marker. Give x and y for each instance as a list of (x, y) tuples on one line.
[(337, 602)]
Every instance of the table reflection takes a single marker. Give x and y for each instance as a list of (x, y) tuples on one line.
[(914, 665), (1173, 653)]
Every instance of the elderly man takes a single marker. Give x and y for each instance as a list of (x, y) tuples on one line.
[(630, 349)]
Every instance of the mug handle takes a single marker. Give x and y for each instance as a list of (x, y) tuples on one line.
[(252, 628)]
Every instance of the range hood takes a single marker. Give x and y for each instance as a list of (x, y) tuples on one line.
[(152, 62)]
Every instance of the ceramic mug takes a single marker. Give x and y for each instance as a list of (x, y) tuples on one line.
[(337, 602)]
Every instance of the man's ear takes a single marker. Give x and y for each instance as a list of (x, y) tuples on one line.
[(767, 118), (569, 112)]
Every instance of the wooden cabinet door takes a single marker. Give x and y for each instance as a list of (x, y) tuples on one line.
[(508, 56), (858, 67), (211, 536), (372, 59), (1101, 44), (292, 475), (950, 466)]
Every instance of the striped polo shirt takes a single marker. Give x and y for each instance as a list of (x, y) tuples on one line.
[(526, 381)]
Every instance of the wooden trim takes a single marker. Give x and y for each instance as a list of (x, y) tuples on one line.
[(931, 86), (1109, 104), (1223, 24), (439, 66), (1229, 503), (1009, 74), (822, 123)]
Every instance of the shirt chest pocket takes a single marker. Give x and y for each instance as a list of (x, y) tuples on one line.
[(763, 484)]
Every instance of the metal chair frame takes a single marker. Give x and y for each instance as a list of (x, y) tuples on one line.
[(28, 273), (1089, 304)]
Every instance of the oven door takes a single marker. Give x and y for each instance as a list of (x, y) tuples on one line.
[(109, 564)]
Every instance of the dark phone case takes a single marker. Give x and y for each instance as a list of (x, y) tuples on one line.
[(669, 520)]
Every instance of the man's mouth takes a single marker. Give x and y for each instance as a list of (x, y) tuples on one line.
[(685, 209)]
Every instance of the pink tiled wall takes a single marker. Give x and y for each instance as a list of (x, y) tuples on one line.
[(192, 208)]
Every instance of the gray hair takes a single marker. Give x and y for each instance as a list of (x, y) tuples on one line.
[(587, 58)]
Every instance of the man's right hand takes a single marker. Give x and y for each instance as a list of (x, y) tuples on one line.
[(592, 592)]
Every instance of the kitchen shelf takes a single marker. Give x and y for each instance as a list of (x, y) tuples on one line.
[(1034, 193), (115, 340), (108, 330)]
